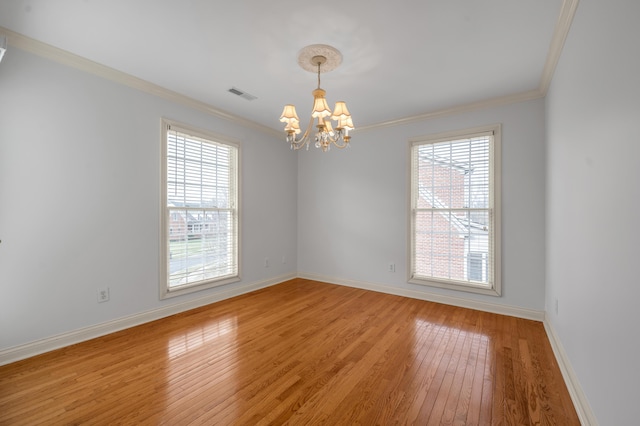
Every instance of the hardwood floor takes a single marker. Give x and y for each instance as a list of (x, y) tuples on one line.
[(299, 353)]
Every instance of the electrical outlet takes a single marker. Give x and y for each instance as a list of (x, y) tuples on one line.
[(392, 267), (266, 262), (103, 295), (556, 306), (284, 259)]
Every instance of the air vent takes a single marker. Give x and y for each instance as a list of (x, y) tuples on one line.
[(242, 94)]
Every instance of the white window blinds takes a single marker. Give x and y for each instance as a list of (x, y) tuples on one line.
[(200, 211), (453, 222)]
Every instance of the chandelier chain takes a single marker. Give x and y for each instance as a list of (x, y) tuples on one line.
[(326, 134)]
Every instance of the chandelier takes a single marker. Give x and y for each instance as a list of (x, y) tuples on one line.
[(319, 58)]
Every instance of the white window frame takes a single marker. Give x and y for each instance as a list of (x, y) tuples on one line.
[(205, 136), (494, 287)]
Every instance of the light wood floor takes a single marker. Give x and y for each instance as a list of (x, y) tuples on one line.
[(300, 353)]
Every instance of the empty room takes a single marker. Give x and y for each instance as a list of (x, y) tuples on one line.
[(311, 213)]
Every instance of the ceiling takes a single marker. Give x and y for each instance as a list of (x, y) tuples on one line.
[(401, 58)]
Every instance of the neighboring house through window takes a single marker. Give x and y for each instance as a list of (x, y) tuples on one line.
[(199, 210), (455, 210)]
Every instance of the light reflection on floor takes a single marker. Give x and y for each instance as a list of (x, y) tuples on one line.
[(421, 324), (196, 337), (194, 350), (423, 330)]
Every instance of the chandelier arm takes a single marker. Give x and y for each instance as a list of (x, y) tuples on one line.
[(343, 145), (304, 139), (339, 136), (325, 135)]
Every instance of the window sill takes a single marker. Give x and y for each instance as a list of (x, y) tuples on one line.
[(458, 286), (167, 293)]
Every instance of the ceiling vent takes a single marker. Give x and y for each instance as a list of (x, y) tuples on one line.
[(242, 94)]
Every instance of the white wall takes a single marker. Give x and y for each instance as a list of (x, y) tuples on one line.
[(353, 205), (593, 205), (79, 199)]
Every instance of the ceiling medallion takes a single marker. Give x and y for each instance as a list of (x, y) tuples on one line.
[(319, 58)]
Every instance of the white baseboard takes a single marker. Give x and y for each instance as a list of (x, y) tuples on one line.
[(580, 401), (495, 308), (38, 347)]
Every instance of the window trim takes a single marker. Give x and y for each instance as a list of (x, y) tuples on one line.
[(495, 202), (165, 291)]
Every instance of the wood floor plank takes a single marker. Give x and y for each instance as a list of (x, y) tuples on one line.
[(299, 353), (460, 407), (490, 389)]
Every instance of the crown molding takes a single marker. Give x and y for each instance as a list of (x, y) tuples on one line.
[(567, 12), (78, 62), (563, 24), (487, 103)]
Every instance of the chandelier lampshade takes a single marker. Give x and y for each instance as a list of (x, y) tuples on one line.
[(292, 128), (340, 111), (289, 114), (313, 58)]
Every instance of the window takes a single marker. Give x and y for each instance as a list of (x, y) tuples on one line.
[(199, 210), (455, 210), (476, 269)]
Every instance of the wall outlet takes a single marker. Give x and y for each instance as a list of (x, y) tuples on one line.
[(103, 295), (284, 259), (392, 267), (556, 306), (266, 262)]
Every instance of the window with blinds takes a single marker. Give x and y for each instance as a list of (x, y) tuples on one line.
[(455, 210), (199, 210)]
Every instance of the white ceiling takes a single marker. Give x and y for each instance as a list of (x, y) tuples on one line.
[(401, 58)]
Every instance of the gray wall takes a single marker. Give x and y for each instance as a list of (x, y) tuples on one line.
[(593, 205), (79, 180), (353, 205), (79, 192), (79, 199)]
